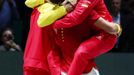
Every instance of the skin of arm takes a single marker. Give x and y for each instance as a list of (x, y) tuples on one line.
[(107, 26)]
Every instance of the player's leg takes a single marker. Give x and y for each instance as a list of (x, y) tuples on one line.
[(83, 55), (90, 49)]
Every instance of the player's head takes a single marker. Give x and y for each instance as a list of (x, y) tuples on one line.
[(7, 34), (115, 6)]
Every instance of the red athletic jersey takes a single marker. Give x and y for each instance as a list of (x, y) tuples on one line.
[(47, 53), (37, 48), (77, 29)]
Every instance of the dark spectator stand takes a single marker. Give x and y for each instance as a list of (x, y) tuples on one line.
[(11, 63)]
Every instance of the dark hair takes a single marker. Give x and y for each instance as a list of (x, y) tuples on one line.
[(57, 1)]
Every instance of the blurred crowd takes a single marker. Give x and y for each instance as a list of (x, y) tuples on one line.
[(122, 12), (15, 19)]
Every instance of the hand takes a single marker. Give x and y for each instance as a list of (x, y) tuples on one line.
[(12, 44), (119, 29), (68, 7), (72, 2), (69, 4), (8, 43)]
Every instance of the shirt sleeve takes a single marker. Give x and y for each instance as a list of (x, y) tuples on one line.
[(33, 3), (81, 11), (93, 17)]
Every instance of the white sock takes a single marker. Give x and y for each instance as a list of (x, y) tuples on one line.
[(92, 72)]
